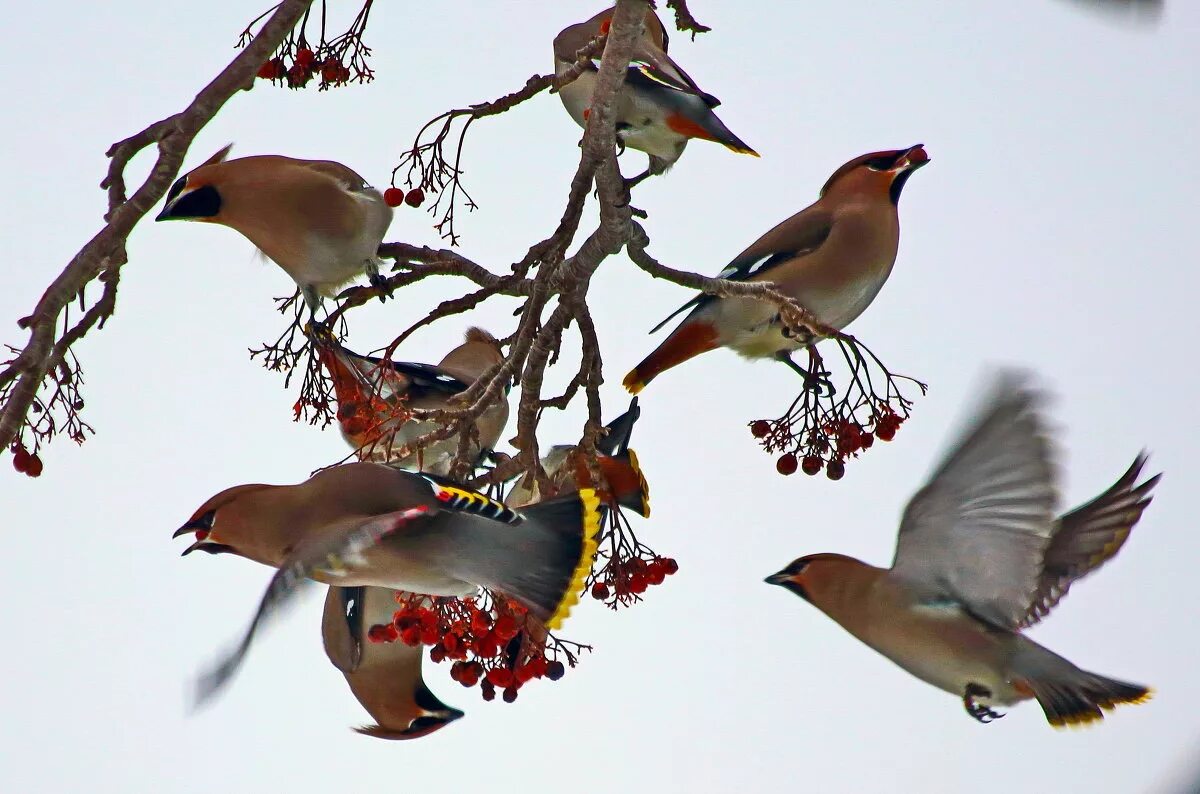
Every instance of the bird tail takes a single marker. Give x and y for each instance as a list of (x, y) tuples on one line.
[(540, 559), (1076, 697), (688, 340), (710, 128)]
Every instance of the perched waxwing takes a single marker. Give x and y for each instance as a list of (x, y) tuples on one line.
[(372, 524), (980, 557), (621, 479), (659, 108), (833, 257), (374, 395), (384, 676), (317, 219)]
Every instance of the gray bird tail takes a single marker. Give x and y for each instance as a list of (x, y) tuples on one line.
[(542, 561), (1070, 696)]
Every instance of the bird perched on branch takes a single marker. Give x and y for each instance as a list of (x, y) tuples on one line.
[(621, 479), (659, 109), (980, 557), (371, 524), (833, 257), (318, 220), (385, 677), (376, 398)]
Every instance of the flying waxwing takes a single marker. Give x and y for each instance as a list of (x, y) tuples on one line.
[(833, 257), (622, 480), (317, 219), (385, 677), (371, 524), (659, 108), (980, 557), (374, 397)]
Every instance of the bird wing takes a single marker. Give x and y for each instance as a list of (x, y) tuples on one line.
[(407, 377), (324, 552), (976, 533), (342, 627), (798, 236), (1089, 536), (348, 178)]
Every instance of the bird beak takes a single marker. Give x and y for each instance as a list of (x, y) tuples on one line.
[(778, 578), (914, 158)]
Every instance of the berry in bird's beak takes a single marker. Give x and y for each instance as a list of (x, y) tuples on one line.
[(915, 157)]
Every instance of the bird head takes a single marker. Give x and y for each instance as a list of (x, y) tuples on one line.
[(876, 174), (811, 574), (220, 525), (421, 716), (195, 196)]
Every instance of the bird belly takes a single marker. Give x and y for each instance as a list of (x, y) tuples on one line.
[(331, 264), (841, 305), (751, 328), (382, 566), (577, 95), (949, 650), (647, 129)]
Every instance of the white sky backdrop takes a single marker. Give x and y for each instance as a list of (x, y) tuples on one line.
[(1055, 228)]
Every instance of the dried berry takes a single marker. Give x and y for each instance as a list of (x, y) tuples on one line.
[(835, 470), (415, 197), (811, 465), (760, 428), (786, 464)]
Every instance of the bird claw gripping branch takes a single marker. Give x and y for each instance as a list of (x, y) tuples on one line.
[(823, 427)]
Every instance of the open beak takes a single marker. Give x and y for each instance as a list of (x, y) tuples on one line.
[(914, 158)]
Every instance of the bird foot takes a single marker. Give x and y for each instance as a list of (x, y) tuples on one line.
[(978, 711), (816, 382)]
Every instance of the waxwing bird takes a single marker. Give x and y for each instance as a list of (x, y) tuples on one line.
[(833, 257), (318, 220), (375, 396), (371, 524), (659, 108), (384, 677), (980, 557), (622, 481)]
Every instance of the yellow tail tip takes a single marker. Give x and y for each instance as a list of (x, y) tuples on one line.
[(1086, 718), (590, 505), (633, 382)]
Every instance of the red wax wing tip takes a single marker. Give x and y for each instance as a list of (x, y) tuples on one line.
[(587, 113), (393, 196), (605, 26), (444, 496)]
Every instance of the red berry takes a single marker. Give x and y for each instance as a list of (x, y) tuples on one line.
[(866, 441), (450, 643), (600, 591), (555, 671), (760, 428), (537, 666), (506, 627), (885, 431), (500, 677), (656, 575), (510, 694), (415, 197), (811, 465), (429, 636), (21, 459), (480, 623), (638, 583), (390, 634), (456, 671), (376, 634), (670, 566), (489, 691), (523, 673), (411, 636), (835, 470), (437, 654), (393, 196), (786, 464), (305, 57), (487, 648), (268, 71)]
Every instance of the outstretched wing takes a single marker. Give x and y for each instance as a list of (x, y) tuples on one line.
[(326, 554), (1088, 537), (977, 531)]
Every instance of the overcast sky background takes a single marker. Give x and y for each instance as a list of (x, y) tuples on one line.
[(1056, 228)]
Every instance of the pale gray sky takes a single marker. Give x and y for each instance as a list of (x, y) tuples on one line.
[(1056, 228)]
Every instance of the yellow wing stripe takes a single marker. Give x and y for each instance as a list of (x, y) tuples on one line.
[(590, 504)]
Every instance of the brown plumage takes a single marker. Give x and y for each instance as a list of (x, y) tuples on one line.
[(317, 219), (833, 257)]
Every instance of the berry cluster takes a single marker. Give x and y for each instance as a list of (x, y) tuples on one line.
[(624, 568), (24, 461), (335, 61), (622, 581), (827, 445), (824, 426), (493, 641)]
